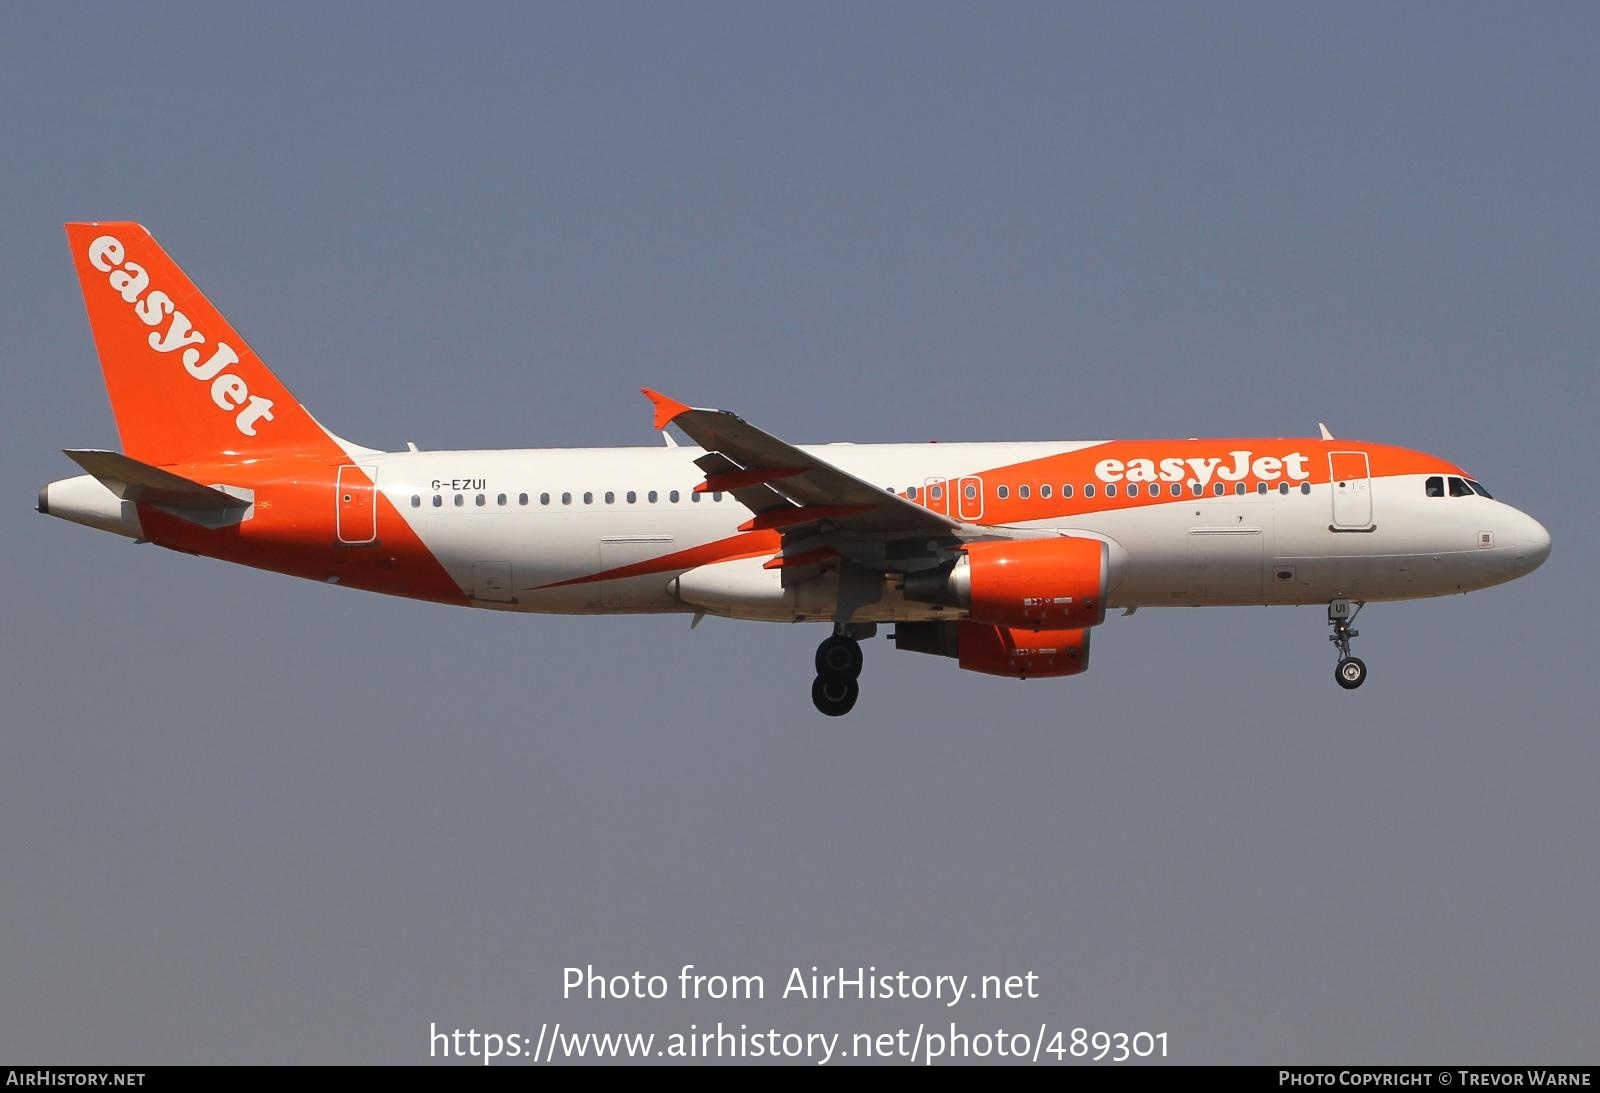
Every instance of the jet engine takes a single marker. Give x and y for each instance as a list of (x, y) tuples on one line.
[(1059, 584)]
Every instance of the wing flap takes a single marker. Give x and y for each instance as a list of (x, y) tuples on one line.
[(756, 496), (792, 475)]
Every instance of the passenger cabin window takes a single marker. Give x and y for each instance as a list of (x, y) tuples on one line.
[(1088, 489), (566, 499), (1459, 487), (972, 491), (544, 499), (1177, 489), (632, 497), (437, 500), (1238, 489), (610, 497), (1261, 488), (1044, 491), (501, 499), (1305, 488), (1066, 490), (673, 497), (460, 500), (416, 501), (1283, 488), (1002, 492), (588, 498), (1218, 488), (1133, 489), (1111, 489)]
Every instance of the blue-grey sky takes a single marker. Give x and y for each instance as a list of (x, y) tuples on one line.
[(244, 818)]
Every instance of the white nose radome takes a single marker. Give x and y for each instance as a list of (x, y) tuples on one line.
[(1530, 541)]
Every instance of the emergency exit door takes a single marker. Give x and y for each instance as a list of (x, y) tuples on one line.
[(958, 497)]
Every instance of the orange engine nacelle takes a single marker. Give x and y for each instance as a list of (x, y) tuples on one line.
[(1060, 584), (999, 650)]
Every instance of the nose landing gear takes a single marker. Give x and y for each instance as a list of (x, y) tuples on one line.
[(836, 688), (834, 697), (1350, 672), (839, 657)]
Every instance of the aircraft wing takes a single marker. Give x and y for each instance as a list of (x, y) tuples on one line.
[(785, 488)]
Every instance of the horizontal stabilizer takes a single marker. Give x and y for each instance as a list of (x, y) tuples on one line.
[(132, 480)]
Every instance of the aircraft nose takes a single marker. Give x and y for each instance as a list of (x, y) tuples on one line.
[(1531, 542)]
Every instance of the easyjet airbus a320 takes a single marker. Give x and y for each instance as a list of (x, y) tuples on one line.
[(1003, 557)]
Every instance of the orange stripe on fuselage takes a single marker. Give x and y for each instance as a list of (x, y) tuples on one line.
[(293, 530), (747, 545)]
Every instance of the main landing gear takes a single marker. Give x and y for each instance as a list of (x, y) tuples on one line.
[(835, 690), (1350, 672)]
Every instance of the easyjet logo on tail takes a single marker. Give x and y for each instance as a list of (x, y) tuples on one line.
[(1238, 466), (229, 392)]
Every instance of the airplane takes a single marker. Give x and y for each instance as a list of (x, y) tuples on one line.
[(1000, 556)]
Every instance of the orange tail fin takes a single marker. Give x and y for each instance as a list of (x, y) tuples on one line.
[(183, 385)]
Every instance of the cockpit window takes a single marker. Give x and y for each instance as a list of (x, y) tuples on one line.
[(1436, 486), (1477, 488), (1459, 487)]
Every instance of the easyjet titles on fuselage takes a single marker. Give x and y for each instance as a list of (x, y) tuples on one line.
[(1200, 470)]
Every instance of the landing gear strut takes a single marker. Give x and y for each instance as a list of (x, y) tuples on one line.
[(1350, 672), (835, 690)]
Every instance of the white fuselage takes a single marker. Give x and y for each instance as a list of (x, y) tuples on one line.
[(536, 518)]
